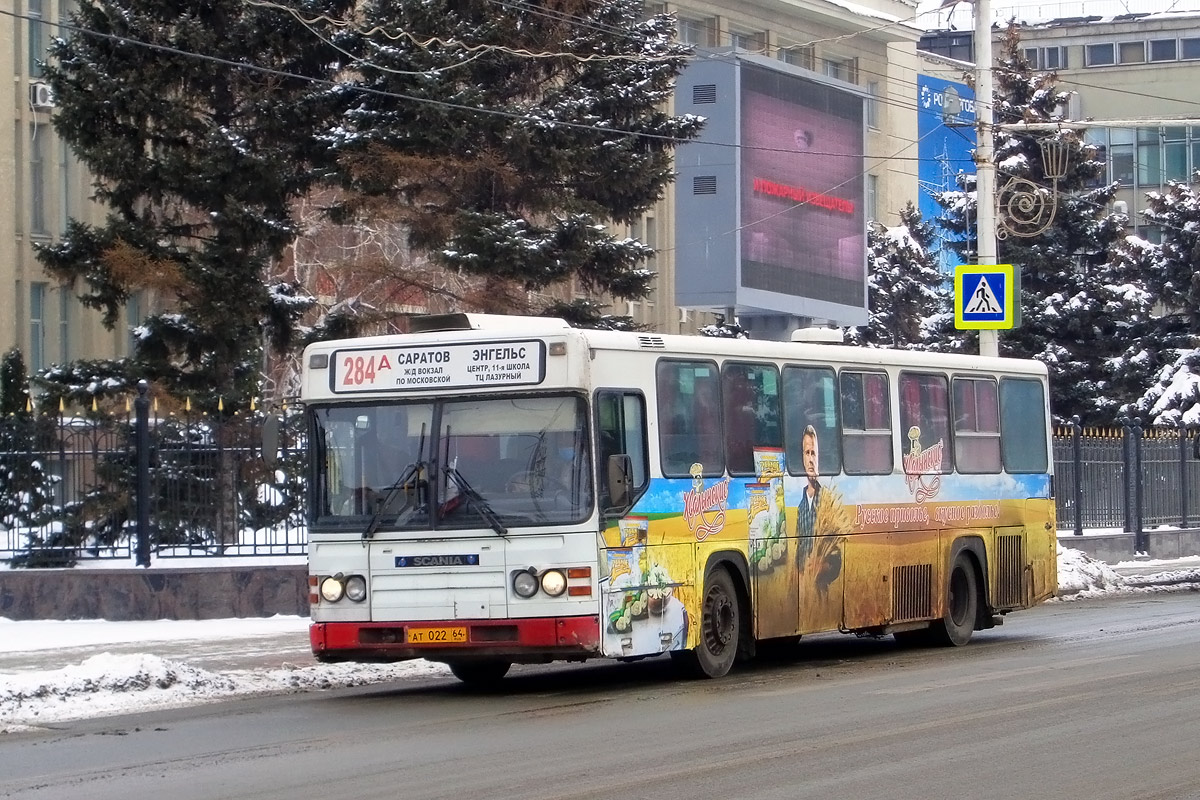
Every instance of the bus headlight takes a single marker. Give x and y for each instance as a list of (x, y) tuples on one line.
[(356, 588), (525, 583), (332, 589), (554, 582)]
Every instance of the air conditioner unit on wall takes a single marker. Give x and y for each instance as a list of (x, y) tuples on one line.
[(40, 95)]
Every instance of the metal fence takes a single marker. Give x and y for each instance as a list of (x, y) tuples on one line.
[(1126, 478), (69, 487)]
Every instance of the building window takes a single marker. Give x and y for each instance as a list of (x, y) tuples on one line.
[(133, 318), (843, 69), (1098, 138), (64, 184), (1163, 50), (65, 304), (1189, 49), (1195, 149), (871, 198), (37, 43), (1048, 58), (873, 105), (1175, 154), (693, 31), (799, 56), (1149, 157), (1151, 233), (37, 327), (1120, 150), (752, 42), (37, 177), (1132, 52), (1099, 55), (701, 32)]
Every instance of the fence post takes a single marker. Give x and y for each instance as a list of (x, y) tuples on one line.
[(142, 439), (1077, 457), (1140, 539), (1183, 508), (1127, 465)]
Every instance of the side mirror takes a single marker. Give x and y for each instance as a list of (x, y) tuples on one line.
[(620, 479), (270, 441)]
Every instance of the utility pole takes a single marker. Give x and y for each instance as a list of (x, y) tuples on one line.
[(985, 164)]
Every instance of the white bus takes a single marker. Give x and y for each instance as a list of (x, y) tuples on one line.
[(491, 490)]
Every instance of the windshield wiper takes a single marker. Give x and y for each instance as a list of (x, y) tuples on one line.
[(412, 471), (476, 501)]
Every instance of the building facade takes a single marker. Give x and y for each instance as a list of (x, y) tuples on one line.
[(45, 186), (1133, 79)]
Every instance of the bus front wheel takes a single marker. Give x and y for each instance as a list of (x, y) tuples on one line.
[(955, 627), (720, 629), (481, 672)]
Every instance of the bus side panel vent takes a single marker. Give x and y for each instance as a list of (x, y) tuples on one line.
[(651, 342), (1010, 571), (912, 592)]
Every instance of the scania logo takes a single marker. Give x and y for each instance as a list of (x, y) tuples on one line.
[(457, 560)]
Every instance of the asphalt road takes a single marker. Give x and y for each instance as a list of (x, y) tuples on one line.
[(1091, 699)]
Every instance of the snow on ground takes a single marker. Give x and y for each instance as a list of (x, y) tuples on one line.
[(105, 684)]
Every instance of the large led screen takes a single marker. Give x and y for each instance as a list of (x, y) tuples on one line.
[(803, 225)]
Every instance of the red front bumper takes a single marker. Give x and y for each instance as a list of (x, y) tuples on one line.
[(532, 640)]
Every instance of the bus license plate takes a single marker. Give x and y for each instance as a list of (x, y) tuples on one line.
[(437, 635)]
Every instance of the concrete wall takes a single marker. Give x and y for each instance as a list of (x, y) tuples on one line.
[(1114, 548), (220, 593), (140, 594)]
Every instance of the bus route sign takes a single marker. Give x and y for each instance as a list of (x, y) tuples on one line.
[(986, 297), (441, 366)]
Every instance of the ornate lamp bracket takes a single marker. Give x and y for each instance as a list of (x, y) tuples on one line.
[(1025, 209)]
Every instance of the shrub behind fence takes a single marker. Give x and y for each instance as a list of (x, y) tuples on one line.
[(68, 488)]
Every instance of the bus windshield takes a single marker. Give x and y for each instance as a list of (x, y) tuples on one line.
[(496, 463)]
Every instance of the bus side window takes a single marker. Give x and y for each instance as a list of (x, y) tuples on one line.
[(976, 425), (866, 423), (810, 398), (689, 418), (751, 396), (1023, 425), (925, 418), (620, 430)]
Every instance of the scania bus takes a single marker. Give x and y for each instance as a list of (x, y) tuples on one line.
[(490, 490)]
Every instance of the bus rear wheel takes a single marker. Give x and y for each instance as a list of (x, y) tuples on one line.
[(480, 672), (955, 627), (720, 629)]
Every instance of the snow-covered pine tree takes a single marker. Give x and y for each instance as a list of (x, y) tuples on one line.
[(506, 144), (200, 123), (1169, 353), (1077, 309), (907, 294), (27, 500)]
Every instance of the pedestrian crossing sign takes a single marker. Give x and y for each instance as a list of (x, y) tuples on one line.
[(986, 297)]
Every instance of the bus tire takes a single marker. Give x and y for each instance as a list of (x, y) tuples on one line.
[(955, 627), (480, 672), (720, 628)]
